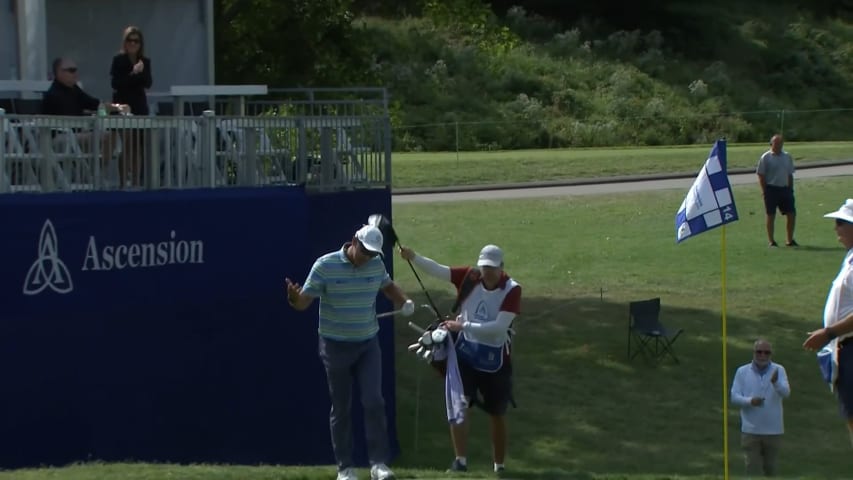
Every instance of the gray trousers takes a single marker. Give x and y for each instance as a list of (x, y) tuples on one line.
[(362, 361), (760, 453)]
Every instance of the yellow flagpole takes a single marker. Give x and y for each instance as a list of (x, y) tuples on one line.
[(725, 366)]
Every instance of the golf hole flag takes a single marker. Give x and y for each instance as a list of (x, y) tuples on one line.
[(710, 202)]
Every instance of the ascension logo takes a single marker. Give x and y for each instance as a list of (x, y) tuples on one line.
[(48, 271)]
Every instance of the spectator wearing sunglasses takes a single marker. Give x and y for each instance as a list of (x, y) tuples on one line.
[(131, 72), (837, 331), (65, 97), (130, 75), (347, 282), (758, 389)]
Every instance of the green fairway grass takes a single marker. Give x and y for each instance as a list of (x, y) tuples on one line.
[(419, 170), (580, 260)]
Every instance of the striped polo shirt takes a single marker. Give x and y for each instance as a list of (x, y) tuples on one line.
[(347, 295)]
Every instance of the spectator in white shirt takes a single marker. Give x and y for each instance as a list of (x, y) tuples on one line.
[(758, 389), (837, 331)]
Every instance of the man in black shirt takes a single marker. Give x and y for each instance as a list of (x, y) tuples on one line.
[(65, 97)]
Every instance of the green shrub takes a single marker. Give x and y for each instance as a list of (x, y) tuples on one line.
[(462, 78)]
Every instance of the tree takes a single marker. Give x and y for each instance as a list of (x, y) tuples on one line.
[(288, 44)]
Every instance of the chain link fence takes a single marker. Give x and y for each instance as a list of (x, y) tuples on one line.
[(508, 134)]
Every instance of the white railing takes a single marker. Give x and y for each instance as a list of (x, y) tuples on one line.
[(50, 153)]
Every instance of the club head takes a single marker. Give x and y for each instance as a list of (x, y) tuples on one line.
[(438, 335), (375, 220), (384, 225)]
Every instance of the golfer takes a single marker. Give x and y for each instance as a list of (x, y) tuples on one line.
[(347, 282)]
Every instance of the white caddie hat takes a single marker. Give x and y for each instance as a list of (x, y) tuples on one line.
[(491, 256), (844, 212)]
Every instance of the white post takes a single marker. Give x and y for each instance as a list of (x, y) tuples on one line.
[(209, 149), (211, 57), (32, 41)]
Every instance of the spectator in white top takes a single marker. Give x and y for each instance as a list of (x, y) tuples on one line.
[(837, 331), (758, 389)]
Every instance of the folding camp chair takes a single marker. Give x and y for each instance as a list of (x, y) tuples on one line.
[(650, 337)]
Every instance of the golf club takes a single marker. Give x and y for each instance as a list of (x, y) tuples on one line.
[(389, 314), (395, 312), (390, 237), (417, 328)]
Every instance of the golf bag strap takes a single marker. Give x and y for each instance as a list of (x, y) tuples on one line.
[(472, 278)]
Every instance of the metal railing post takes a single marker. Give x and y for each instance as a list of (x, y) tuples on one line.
[(97, 181), (329, 174), (208, 160), (182, 167), (248, 162), (302, 167), (46, 163)]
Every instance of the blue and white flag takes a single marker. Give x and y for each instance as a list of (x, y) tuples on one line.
[(710, 202)]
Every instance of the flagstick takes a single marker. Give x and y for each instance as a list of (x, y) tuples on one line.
[(725, 367), (712, 183)]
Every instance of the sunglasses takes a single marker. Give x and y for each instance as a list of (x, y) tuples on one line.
[(839, 222), (366, 252), (763, 352), (133, 40), (70, 69)]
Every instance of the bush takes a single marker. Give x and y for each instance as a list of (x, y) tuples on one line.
[(578, 88)]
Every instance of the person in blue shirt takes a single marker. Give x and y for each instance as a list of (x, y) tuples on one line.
[(347, 282), (758, 389)]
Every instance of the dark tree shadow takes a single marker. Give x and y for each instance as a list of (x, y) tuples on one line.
[(584, 407)]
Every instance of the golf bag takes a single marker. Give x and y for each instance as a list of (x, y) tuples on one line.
[(472, 278)]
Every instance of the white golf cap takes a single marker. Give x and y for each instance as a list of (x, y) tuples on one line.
[(491, 256), (844, 212), (370, 237)]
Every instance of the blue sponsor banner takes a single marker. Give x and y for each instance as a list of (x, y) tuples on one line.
[(152, 326)]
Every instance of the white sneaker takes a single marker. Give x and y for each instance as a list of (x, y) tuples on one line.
[(347, 474), (380, 471)]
